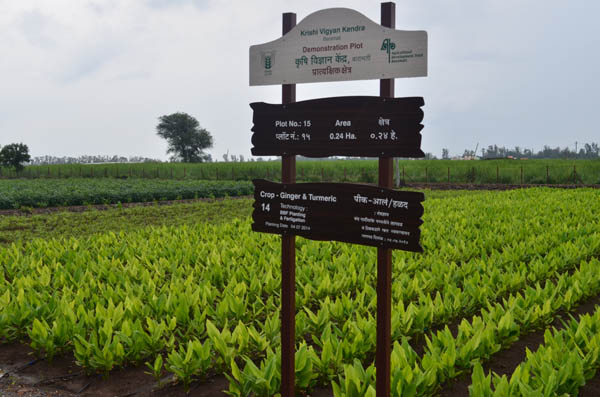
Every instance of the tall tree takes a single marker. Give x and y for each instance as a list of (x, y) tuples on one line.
[(187, 140), (14, 155)]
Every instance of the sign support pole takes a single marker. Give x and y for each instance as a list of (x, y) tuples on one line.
[(384, 255), (288, 256)]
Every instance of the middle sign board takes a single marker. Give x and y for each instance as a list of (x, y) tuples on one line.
[(352, 213), (341, 126)]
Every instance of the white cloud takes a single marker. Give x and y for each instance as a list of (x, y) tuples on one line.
[(92, 76)]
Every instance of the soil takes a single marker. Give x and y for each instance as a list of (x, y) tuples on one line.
[(23, 375)]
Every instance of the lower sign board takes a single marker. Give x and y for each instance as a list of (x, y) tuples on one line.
[(351, 213)]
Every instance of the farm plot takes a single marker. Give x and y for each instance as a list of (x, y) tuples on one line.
[(197, 301), (19, 193)]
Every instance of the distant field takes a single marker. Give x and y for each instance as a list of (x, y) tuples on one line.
[(20, 193), (410, 171)]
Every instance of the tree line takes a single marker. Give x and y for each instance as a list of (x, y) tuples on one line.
[(586, 151)]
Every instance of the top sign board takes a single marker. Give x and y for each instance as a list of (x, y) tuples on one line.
[(338, 44)]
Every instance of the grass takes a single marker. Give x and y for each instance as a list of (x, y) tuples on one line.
[(14, 228)]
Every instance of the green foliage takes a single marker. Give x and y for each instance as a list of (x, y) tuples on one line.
[(52, 193), (206, 298), (186, 139), (14, 155)]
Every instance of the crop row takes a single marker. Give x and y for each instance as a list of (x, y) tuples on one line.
[(203, 300), (50, 193), (566, 360)]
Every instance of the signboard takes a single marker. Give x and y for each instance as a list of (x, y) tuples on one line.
[(343, 126), (351, 213), (338, 44)]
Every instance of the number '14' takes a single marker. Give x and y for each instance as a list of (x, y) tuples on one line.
[(266, 207)]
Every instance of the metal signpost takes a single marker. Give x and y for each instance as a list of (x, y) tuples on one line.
[(339, 44)]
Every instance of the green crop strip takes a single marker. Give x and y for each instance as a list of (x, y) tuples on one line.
[(203, 298), (20, 193)]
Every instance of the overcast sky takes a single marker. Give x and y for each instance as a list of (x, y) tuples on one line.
[(92, 76)]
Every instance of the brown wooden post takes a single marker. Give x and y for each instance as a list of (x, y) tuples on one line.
[(448, 174), (288, 255), (547, 175), (574, 174), (384, 255), (426, 176)]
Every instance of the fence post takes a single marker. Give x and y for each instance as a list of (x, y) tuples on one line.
[(426, 176), (575, 174), (547, 175), (448, 174), (521, 175), (497, 174)]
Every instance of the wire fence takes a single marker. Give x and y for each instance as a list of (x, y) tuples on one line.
[(587, 174)]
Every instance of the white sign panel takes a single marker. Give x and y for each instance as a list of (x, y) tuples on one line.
[(339, 44)]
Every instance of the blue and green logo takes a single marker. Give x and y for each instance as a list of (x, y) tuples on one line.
[(388, 46)]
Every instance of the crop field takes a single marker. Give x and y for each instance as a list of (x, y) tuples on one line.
[(350, 170), (20, 193), (500, 275)]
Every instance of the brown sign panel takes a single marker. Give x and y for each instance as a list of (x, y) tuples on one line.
[(341, 126), (352, 213)]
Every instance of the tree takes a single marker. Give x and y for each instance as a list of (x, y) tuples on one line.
[(14, 155), (186, 139), (445, 155)]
